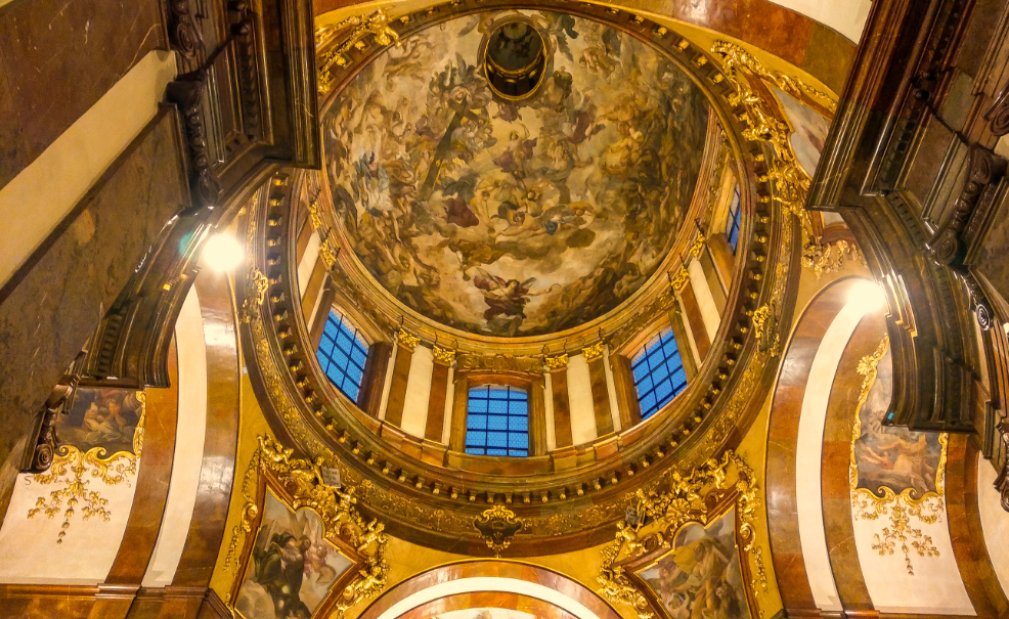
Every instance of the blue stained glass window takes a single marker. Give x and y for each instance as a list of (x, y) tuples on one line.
[(732, 227), (658, 373), (497, 421), (342, 354)]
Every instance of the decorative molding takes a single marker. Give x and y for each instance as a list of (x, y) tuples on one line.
[(256, 286), (187, 93), (444, 356), (789, 85), (407, 340), (183, 33), (304, 483), (498, 525), (653, 519), (521, 364), (44, 440), (352, 34), (826, 258), (594, 351), (948, 244), (903, 510), (73, 471), (998, 115)]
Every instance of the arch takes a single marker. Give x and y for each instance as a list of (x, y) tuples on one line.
[(457, 586)]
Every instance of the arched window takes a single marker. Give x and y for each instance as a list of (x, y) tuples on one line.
[(342, 353), (658, 373), (497, 421), (732, 223)]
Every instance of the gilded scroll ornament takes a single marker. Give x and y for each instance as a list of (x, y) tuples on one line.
[(304, 481), (524, 364), (377, 27), (256, 286), (594, 351), (824, 258), (73, 472), (653, 518), (556, 362), (903, 511), (407, 340), (444, 356), (498, 525)]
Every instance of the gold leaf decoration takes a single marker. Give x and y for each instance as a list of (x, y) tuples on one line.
[(256, 287), (444, 356), (407, 340), (653, 518), (304, 481), (902, 513), (594, 351), (72, 473), (352, 34), (498, 525)]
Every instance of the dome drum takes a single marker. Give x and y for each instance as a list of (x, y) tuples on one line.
[(431, 486)]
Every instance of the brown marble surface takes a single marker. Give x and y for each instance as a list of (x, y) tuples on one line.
[(57, 58), (52, 305), (842, 408), (783, 430), (220, 443)]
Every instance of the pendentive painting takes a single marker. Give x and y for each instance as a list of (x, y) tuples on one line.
[(700, 576), (101, 417), (292, 567), (891, 458), (523, 216)]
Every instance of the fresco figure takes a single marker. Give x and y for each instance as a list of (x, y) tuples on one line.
[(101, 417), (892, 458), (509, 217), (700, 578), (291, 567)]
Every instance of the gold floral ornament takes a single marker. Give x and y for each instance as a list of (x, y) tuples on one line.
[(766, 122), (654, 517), (73, 472), (498, 525), (256, 286), (305, 483), (376, 26), (903, 513)]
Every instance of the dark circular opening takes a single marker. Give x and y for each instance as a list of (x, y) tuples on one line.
[(515, 60)]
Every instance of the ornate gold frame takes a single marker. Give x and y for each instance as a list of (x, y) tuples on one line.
[(901, 507), (300, 483), (76, 468), (654, 519)]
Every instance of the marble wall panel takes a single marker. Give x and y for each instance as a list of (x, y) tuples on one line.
[(57, 58), (49, 310)]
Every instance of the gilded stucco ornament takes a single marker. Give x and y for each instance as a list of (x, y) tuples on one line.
[(305, 482), (767, 123), (256, 285), (654, 517), (73, 471), (902, 513), (498, 525), (354, 33)]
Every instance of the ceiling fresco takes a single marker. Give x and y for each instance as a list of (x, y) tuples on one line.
[(514, 216)]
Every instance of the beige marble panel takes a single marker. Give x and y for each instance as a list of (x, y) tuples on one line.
[(418, 392), (188, 460), (583, 410)]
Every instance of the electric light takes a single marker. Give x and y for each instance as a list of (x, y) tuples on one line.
[(868, 295), (222, 252)]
